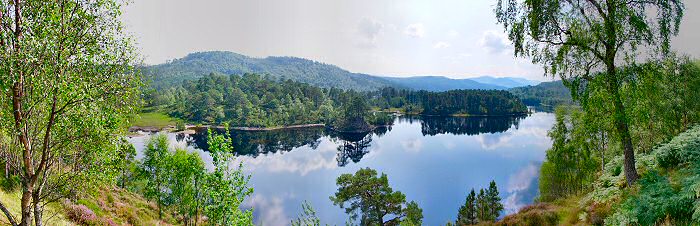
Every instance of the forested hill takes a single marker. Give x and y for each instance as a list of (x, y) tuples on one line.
[(439, 83), (197, 65), (546, 93)]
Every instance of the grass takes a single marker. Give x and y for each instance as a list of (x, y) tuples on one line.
[(154, 119), (560, 212), (53, 214)]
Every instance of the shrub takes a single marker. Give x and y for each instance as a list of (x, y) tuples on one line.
[(539, 214), (656, 200), (682, 150), (81, 214)]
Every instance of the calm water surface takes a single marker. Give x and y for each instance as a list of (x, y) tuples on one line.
[(434, 161)]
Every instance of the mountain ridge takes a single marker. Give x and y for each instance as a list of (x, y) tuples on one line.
[(198, 64)]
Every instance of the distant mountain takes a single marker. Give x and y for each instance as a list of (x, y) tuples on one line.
[(197, 65), (439, 83), (546, 93), (508, 82)]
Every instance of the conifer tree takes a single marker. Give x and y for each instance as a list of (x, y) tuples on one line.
[(467, 213), (494, 202)]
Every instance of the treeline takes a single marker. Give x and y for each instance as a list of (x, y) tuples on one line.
[(453, 102), (259, 101), (546, 94)]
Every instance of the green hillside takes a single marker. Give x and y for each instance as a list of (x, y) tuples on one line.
[(197, 65)]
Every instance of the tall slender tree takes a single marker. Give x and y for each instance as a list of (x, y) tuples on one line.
[(579, 40), (66, 86), (467, 213), (494, 202)]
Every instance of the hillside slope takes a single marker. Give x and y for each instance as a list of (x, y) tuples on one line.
[(507, 82), (439, 83), (197, 65)]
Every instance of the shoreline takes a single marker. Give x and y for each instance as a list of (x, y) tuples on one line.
[(152, 129)]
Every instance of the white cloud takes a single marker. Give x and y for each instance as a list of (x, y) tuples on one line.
[(452, 33), (495, 42), (412, 145), (369, 29), (441, 45), (299, 161), (268, 210), (520, 188), (415, 30)]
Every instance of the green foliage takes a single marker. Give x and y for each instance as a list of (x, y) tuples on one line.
[(67, 86), (258, 101), (453, 102), (683, 150), (656, 200), (467, 212), (369, 197), (494, 205), (154, 119), (197, 65), (308, 217), (414, 215), (178, 181), (482, 208), (546, 93), (185, 182), (666, 192), (586, 43), (570, 166), (155, 169), (125, 163), (226, 187)]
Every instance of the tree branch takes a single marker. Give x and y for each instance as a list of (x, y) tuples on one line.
[(7, 213)]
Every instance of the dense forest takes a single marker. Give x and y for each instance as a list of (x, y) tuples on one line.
[(544, 94), (259, 101)]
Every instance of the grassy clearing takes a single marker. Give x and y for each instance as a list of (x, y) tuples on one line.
[(110, 205), (154, 119), (53, 214)]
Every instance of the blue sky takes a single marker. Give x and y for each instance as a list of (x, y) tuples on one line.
[(454, 38)]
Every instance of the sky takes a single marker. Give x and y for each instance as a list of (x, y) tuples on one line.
[(453, 38)]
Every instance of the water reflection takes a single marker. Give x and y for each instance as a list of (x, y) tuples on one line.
[(352, 147), (434, 161), (466, 125)]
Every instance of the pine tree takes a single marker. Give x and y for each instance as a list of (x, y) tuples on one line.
[(493, 202), (467, 213), (482, 207)]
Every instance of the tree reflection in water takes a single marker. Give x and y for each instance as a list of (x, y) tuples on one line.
[(352, 147), (464, 125)]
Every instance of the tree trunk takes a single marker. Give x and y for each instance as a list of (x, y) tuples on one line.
[(38, 213), (26, 204), (622, 127)]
